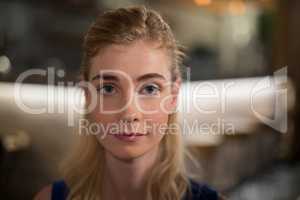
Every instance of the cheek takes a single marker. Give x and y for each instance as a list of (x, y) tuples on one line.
[(157, 123), (166, 104), (99, 117), (104, 110), (100, 124), (156, 106), (110, 104)]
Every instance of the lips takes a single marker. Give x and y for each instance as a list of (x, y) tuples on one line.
[(128, 137)]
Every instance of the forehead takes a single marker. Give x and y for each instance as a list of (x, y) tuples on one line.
[(134, 60)]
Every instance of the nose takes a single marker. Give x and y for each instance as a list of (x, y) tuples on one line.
[(130, 111), (128, 118)]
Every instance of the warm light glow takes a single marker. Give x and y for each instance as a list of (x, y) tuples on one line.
[(237, 7), (203, 2), (4, 64)]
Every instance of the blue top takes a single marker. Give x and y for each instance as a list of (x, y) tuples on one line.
[(198, 191)]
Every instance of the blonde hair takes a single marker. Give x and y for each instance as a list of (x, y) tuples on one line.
[(84, 169)]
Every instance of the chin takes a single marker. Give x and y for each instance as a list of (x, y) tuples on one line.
[(127, 153)]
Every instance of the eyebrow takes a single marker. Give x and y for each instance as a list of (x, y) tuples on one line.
[(105, 77), (150, 75), (115, 78)]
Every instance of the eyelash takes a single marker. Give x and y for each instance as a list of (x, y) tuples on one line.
[(154, 86), (157, 87), (99, 88)]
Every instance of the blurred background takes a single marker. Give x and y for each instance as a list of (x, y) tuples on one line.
[(252, 151)]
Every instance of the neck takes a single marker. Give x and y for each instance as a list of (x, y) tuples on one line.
[(126, 179)]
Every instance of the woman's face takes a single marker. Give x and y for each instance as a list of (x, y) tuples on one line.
[(133, 98)]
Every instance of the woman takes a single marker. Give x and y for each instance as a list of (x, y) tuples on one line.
[(132, 63)]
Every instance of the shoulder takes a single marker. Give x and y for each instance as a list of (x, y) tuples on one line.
[(201, 191), (58, 190), (44, 193)]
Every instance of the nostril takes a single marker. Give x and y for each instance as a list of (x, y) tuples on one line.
[(135, 119), (129, 121), (129, 118)]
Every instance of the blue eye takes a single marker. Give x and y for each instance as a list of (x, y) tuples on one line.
[(106, 89), (152, 89)]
